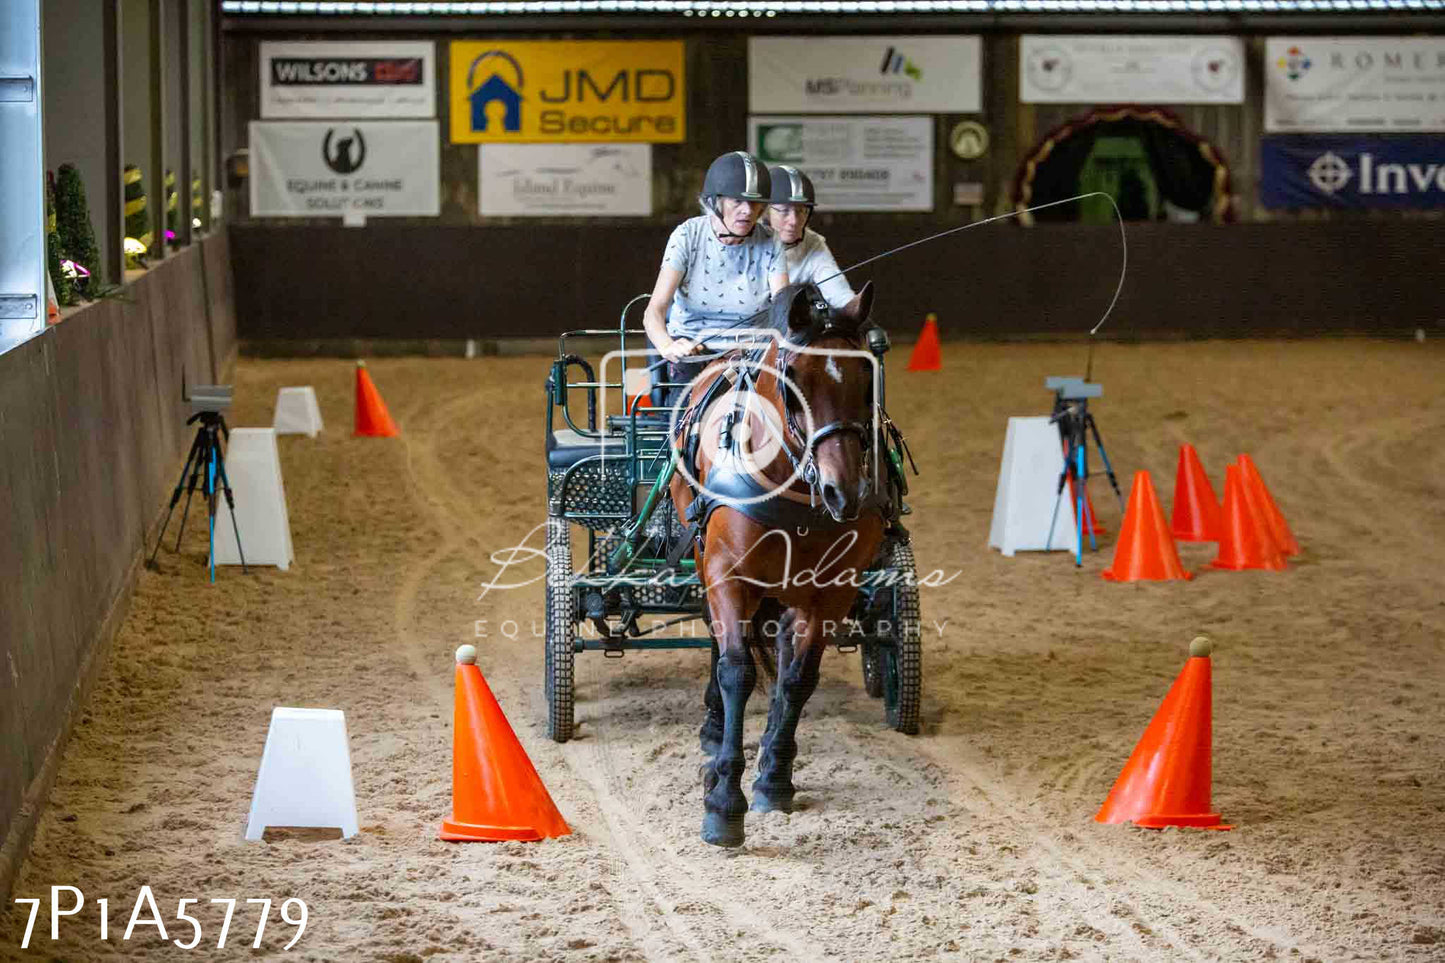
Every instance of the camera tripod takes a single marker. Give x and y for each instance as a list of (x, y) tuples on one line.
[(1076, 423), (206, 467)]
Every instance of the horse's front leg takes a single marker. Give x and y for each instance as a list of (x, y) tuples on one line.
[(800, 651), (711, 733), (723, 801)]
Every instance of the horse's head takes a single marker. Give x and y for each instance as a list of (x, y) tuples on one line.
[(838, 389)]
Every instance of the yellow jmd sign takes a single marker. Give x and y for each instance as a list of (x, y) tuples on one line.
[(563, 90)]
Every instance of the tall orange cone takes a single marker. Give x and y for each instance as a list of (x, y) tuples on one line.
[(1146, 550), (372, 418), (1197, 514), (926, 354), (1273, 517), (496, 792), (1166, 781), (1245, 540)]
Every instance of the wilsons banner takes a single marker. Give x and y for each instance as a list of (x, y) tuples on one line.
[(355, 80), (1352, 172), (545, 180), (505, 91), (366, 168), (865, 75), (1354, 84), (1097, 69)]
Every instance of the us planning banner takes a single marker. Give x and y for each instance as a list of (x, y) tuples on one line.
[(856, 163)]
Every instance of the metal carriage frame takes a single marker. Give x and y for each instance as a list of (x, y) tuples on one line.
[(610, 478)]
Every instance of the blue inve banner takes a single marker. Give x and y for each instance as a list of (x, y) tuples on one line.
[(1399, 171)]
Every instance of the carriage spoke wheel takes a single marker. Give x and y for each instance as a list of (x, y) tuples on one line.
[(902, 662), (561, 631)]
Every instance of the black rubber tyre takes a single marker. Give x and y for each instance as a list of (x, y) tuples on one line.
[(561, 631), (872, 669), (902, 662)]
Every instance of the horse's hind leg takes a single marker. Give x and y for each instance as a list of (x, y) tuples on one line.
[(800, 651), (725, 806), (711, 733)]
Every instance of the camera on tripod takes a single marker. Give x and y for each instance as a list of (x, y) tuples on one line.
[(212, 399)]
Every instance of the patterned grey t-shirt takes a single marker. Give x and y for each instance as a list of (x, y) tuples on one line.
[(721, 283)]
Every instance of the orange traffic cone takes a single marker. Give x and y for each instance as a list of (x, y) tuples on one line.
[(1273, 517), (1146, 551), (1166, 781), (496, 792), (1245, 540), (372, 418), (926, 355), (1197, 516)]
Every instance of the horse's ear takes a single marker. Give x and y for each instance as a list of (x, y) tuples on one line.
[(860, 309), (793, 304)]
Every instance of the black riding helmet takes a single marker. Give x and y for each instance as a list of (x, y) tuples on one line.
[(736, 174), (791, 186)]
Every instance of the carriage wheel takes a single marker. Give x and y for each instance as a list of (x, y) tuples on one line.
[(872, 669), (561, 631), (902, 662)]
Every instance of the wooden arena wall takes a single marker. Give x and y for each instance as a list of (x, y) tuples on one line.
[(92, 437), (299, 283)]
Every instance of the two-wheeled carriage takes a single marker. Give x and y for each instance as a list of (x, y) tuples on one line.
[(608, 473)]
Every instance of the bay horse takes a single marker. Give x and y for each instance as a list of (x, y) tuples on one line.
[(752, 553)]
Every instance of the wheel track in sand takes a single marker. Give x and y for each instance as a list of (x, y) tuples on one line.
[(454, 514)]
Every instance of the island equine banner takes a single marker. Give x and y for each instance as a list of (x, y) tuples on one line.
[(547, 180), (345, 168), (1131, 70), (352, 80), (1352, 172), (1354, 84), (865, 75), (528, 91)]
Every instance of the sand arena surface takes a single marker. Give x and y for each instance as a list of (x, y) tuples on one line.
[(972, 841)]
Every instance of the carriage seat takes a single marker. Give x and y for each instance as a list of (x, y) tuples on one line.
[(566, 447)]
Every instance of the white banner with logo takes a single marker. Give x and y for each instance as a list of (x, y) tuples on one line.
[(1354, 84), (1097, 69), (366, 168), (541, 180), (856, 163), (918, 75), (382, 79)]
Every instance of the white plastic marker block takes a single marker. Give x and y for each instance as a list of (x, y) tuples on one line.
[(305, 775), (297, 412), (253, 464), (1028, 484)]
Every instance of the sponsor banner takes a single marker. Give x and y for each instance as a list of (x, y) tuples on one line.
[(1096, 69), (1352, 172), (869, 75), (561, 91), (856, 163), (1354, 83), (542, 180), (383, 79), (366, 168)]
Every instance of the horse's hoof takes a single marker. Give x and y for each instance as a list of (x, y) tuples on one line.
[(720, 829), (765, 802)]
